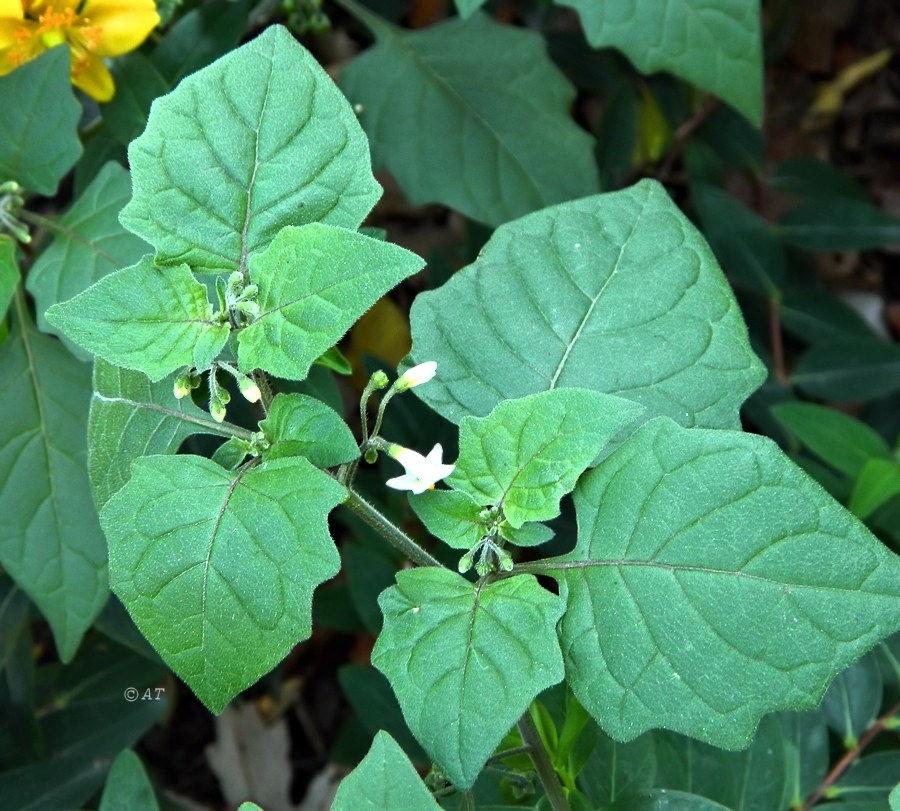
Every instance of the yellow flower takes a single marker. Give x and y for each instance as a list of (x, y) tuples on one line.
[(93, 29)]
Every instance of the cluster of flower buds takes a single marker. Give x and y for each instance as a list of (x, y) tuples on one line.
[(11, 201), (235, 298), (190, 379)]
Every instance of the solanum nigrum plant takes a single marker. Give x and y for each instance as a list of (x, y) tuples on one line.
[(594, 350)]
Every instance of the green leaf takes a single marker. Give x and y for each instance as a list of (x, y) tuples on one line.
[(127, 786), (618, 770), (298, 425), (131, 417), (528, 453), (849, 369), (853, 700), (838, 439), (50, 541), (715, 44), (384, 779), (878, 483), (465, 661), (314, 282), (808, 177), (39, 127), (527, 535), (146, 318), (258, 140), (9, 274), (838, 224), (85, 723), (559, 299), (806, 753), (89, 244), (231, 453), (199, 37), (452, 111), (745, 244), (452, 516), (217, 569), (467, 8), (713, 582), (894, 799), (666, 800), (868, 780)]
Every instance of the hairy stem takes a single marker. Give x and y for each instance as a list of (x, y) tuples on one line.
[(395, 536), (542, 764)]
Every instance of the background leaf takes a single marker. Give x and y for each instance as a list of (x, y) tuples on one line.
[(131, 417), (848, 369), (853, 700), (146, 318), (843, 442), (714, 582), (89, 244), (715, 44), (560, 299), (452, 113), (50, 540), (384, 779), (314, 282), (528, 453), (838, 224), (465, 661), (258, 140), (878, 483), (39, 127), (9, 273), (216, 568), (127, 785)]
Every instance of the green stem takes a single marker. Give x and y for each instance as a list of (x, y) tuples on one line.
[(547, 774), (392, 534)]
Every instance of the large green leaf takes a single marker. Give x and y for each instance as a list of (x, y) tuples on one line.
[(298, 425), (714, 44), (88, 244), (528, 453), (853, 700), (131, 417), (314, 282), (384, 779), (618, 293), (453, 112), (465, 660), (216, 568), (50, 541), (878, 483), (9, 273), (258, 140), (713, 582), (146, 318), (39, 126)]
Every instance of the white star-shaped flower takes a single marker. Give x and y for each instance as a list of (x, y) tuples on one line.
[(421, 471)]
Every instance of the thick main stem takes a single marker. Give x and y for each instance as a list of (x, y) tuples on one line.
[(542, 764), (395, 536)]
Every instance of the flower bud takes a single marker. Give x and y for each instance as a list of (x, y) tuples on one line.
[(249, 389), (379, 380), (416, 376), (182, 386)]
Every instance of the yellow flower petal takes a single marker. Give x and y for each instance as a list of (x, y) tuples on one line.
[(8, 28), (125, 24), (93, 77), (11, 9)]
